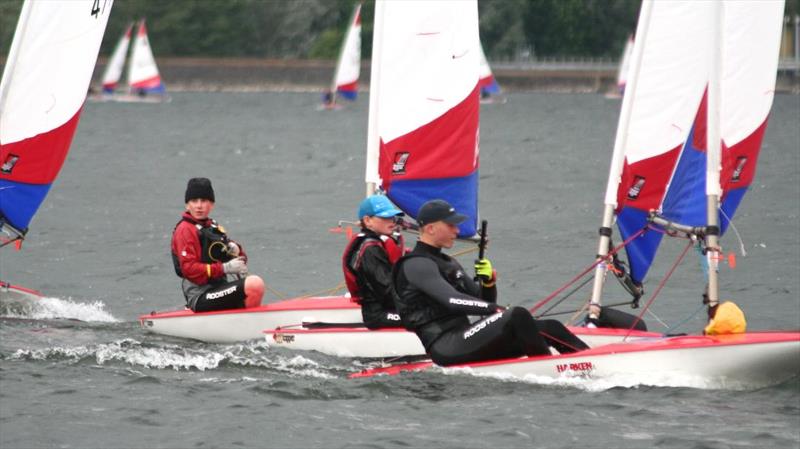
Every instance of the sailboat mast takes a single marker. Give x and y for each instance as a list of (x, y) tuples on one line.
[(713, 154), (373, 137), (618, 159)]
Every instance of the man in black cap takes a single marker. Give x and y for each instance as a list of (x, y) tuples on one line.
[(435, 298), (204, 257)]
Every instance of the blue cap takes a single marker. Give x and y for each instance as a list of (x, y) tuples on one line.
[(377, 206)]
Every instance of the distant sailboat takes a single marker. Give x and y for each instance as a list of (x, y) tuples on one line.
[(624, 65), (113, 71), (487, 82), (348, 66), (144, 81), (622, 71), (44, 85)]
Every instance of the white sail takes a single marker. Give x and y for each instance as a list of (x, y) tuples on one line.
[(624, 65), (143, 76), (116, 63), (348, 67)]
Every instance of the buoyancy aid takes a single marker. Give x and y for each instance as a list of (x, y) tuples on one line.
[(426, 317), (394, 246), (213, 243)]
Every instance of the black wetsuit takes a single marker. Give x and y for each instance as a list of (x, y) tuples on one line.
[(435, 298), (374, 277)]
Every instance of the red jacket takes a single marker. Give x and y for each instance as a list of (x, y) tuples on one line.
[(186, 246)]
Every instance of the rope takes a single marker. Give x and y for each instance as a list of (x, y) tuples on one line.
[(328, 291), (658, 290), (564, 298), (671, 330), (587, 270), (735, 231)]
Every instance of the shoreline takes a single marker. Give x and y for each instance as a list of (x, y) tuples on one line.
[(296, 75)]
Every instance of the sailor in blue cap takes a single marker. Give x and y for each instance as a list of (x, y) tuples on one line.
[(368, 260)]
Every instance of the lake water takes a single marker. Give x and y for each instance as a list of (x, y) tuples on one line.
[(76, 371)]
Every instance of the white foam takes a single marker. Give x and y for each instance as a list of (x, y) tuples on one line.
[(56, 308), (591, 384)]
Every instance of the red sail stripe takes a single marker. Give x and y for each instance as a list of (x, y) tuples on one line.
[(40, 156)]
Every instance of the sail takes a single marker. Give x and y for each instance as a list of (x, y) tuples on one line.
[(624, 65), (143, 74), (113, 70), (487, 82), (44, 85), (425, 108), (348, 68), (664, 146)]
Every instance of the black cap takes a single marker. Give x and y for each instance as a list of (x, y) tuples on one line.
[(439, 210), (199, 188)]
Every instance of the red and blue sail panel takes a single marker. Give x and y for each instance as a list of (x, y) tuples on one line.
[(28, 169), (44, 85), (439, 160), (684, 194), (489, 86)]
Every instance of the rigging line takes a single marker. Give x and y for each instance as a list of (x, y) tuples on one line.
[(565, 312), (335, 289), (735, 231), (587, 270), (565, 297), (656, 317), (658, 289), (671, 330), (275, 292), (545, 334)]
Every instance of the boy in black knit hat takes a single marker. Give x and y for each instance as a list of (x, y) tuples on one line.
[(212, 266)]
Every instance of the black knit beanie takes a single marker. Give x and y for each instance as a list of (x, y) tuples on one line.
[(199, 188)]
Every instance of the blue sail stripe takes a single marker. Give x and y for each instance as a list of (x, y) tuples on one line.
[(461, 192), (348, 94), (19, 201), (641, 250), (685, 201)]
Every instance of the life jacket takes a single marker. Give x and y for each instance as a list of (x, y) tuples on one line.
[(213, 243), (394, 246), (428, 319)]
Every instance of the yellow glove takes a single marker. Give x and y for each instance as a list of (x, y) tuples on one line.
[(484, 271)]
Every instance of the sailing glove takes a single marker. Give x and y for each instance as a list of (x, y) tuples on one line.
[(233, 249), (484, 271), (235, 266)]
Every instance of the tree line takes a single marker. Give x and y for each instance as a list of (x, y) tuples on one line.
[(510, 29)]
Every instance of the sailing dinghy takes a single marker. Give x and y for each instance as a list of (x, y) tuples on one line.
[(144, 80), (113, 72), (44, 85), (490, 90), (622, 71), (348, 66), (700, 90)]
